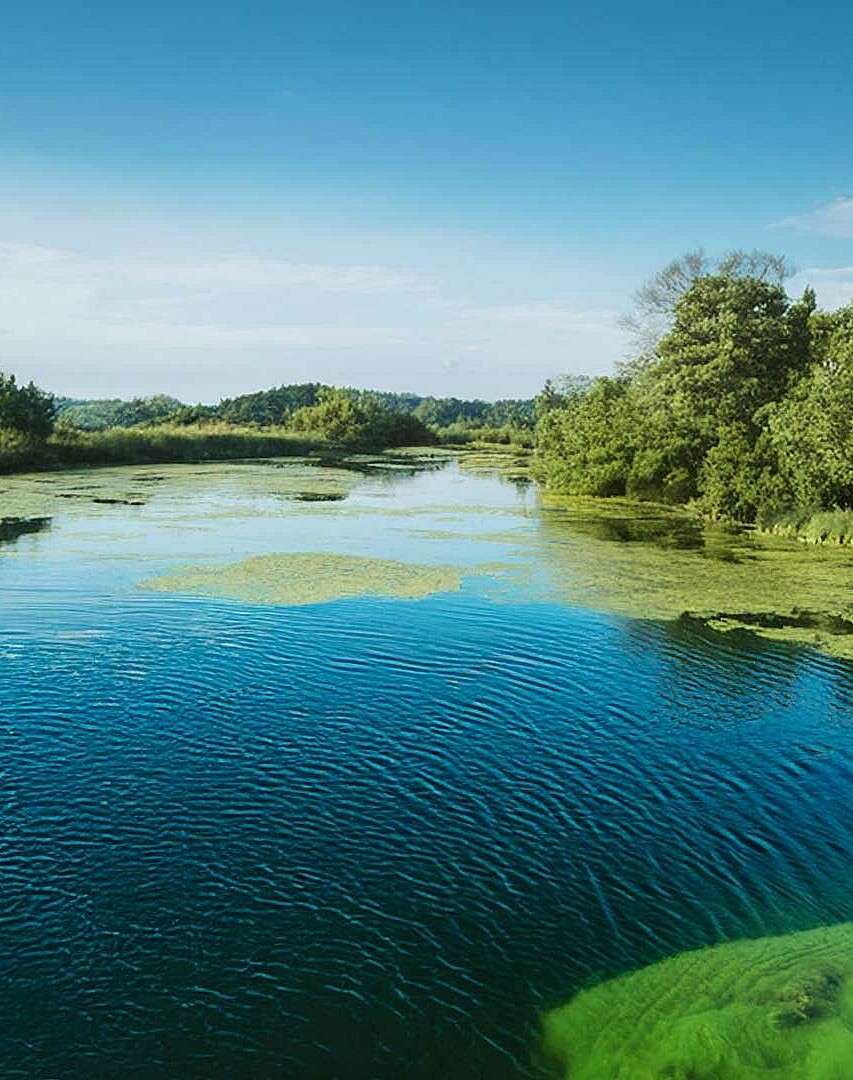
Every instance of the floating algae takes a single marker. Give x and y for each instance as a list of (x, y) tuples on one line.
[(778, 1007), (204, 492), (310, 578), (649, 562)]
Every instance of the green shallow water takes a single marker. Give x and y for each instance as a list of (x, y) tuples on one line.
[(774, 1007)]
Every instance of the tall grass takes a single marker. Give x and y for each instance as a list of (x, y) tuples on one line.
[(149, 445), (813, 527)]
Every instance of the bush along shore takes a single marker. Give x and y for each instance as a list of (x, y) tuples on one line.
[(32, 439)]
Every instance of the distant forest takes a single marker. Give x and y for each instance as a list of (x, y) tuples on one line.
[(452, 418), (38, 430)]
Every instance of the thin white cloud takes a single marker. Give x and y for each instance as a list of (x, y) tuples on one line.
[(833, 219), (217, 336), (554, 337), (553, 315), (237, 271), (202, 325), (833, 285)]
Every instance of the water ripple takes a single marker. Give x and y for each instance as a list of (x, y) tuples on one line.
[(372, 839)]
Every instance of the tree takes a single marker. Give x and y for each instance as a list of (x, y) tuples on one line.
[(692, 422), (586, 445), (811, 428), (735, 346), (364, 420), (656, 301), (26, 409)]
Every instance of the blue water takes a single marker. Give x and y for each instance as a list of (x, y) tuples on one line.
[(374, 838)]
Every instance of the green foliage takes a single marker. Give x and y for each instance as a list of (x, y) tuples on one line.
[(744, 405), (823, 527), (98, 415), (450, 419), (148, 445), (655, 303), (446, 413), (335, 416), (268, 407), (587, 442), (19, 451), (283, 420), (464, 433), (811, 429), (25, 409), (366, 421)]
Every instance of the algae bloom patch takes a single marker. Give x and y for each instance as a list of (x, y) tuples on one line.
[(775, 1006), (310, 578)]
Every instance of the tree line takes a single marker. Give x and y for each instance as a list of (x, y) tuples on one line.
[(39, 430), (447, 417), (740, 402)]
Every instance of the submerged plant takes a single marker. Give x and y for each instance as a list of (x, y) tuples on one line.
[(747, 1010)]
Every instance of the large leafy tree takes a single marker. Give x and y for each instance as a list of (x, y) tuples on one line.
[(340, 417), (693, 419), (653, 311), (735, 346)]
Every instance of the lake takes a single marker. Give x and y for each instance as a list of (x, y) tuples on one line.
[(379, 830)]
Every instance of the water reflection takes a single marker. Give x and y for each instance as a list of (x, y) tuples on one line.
[(12, 528)]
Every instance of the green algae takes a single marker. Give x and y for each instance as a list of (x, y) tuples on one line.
[(650, 562), (235, 486), (778, 1007), (310, 578), (510, 463), (633, 560)]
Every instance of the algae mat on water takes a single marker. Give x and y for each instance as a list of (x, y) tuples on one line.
[(310, 578), (775, 1007), (647, 562)]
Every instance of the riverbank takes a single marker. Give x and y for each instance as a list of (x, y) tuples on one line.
[(165, 444), (809, 526)]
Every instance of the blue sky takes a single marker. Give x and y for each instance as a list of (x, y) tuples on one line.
[(203, 200)]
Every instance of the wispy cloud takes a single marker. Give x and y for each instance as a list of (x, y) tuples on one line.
[(832, 219), (202, 302), (833, 285), (202, 325), (237, 271)]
